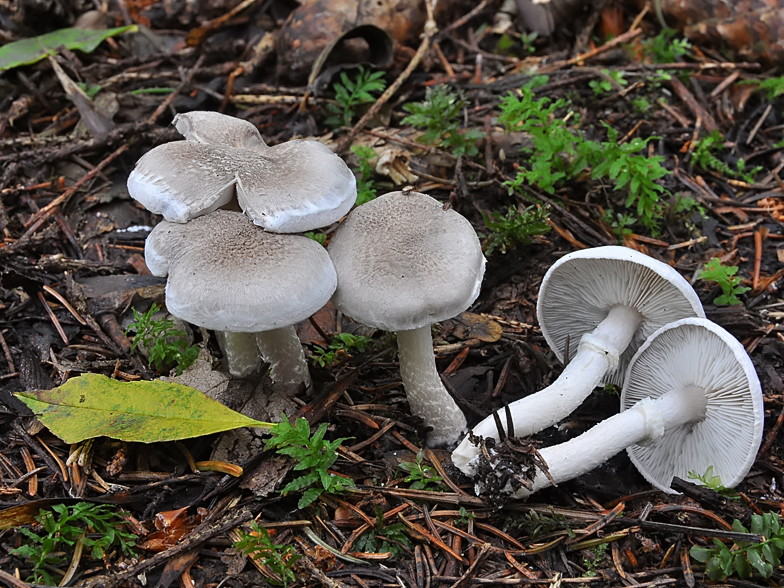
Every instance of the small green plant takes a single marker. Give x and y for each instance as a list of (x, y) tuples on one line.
[(421, 476), (620, 222), (320, 238), (465, 516), (313, 455), (641, 105), (709, 480), (628, 169), (366, 189), (604, 85), (704, 155), (591, 564), (664, 47), (742, 558), (773, 87), (340, 346), (537, 524), (391, 538), (724, 276), (279, 558), (168, 347), (97, 526), (440, 115), (515, 227), (352, 93)]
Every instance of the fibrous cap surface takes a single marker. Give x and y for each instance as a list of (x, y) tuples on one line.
[(227, 274), (580, 288), (697, 353), (404, 262)]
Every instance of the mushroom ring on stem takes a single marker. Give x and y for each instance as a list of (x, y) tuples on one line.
[(227, 274), (605, 301), (293, 187), (404, 262), (692, 400)]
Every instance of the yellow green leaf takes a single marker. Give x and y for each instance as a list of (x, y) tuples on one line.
[(27, 51), (93, 405)]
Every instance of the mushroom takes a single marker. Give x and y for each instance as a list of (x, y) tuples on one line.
[(292, 187), (403, 262), (226, 274), (692, 400), (609, 299)]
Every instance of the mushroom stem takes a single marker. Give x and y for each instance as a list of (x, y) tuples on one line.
[(645, 422), (282, 349), (425, 392), (596, 355), (239, 349)]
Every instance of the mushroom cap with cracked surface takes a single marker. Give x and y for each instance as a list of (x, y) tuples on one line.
[(227, 274)]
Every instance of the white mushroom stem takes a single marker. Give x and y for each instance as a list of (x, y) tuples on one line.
[(282, 349), (425, 392), (597, 354), (645, 422), (240, 352)]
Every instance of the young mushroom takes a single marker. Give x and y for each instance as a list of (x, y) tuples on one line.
[(404, 262), (293, 187), (605, 301), (692, 400), (226, 274)]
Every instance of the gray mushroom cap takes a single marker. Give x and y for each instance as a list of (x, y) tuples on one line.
[(293, 187), (404, 262), (225, 273), (699, 354), (580, 288)]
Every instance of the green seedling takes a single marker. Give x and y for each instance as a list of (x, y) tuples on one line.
[(278, 558), (591, 563), (97, 527), (641, 105), (637, 173), (313, 456), (705, 153), (742, 558), (421, 476), (709, 480), (351, 93), (604, 85), (664, 47), (391, 538), (168, 347), (773, 87), (724, 276), (465, 516), (515, 227), (620, 222), (366, 189), (320, 238), (342, 345), (440, 115)]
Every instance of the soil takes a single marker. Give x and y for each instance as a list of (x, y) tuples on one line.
[(73, 269)]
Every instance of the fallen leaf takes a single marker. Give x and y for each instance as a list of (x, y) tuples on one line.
[(93, 405), (27, 51)]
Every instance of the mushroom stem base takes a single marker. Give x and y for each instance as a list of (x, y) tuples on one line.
[(240, 352), (282, 349), (427, 396)]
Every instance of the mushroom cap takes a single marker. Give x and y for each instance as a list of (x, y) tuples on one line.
[(580, 289), (404, 262), (293, 187), (696, 352), (214, 128), (226, 274)]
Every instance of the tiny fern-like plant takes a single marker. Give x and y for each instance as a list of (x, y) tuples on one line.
[(168, 347), (743, 558), (724, 276), (353, 92), (278, 558), (313, 456), (366, 188), (514, 227), (342, 345)]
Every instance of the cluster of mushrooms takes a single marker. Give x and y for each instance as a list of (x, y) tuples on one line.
[(233, 205), (691, 397)]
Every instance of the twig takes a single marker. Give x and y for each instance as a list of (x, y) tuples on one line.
[(430, 30), (170, 98)]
